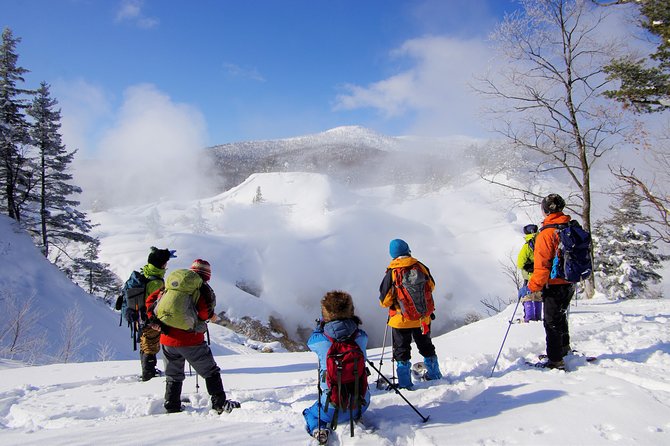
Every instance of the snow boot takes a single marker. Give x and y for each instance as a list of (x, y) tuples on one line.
[(173, 396), (148, 362), (219, 401), (560, 365), (404, 369), (433, 368), (321, 435), (536, 314)]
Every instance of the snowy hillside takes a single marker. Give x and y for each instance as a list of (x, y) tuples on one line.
[(309, 234), (43, 310), (623, 398)]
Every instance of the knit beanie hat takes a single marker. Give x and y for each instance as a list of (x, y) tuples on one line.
[(337, 305), (159, 257), (552, 203), (398, 248), (203, 268)]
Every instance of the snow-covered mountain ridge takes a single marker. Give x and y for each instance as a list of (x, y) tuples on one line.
[(353, 155)]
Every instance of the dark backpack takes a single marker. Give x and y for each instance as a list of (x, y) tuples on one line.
[(413, 292), (572, 261), (529, 266), (134, 292), (346, 377)]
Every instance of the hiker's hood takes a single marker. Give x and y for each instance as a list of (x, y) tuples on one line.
[(340, 328), (403, 261)]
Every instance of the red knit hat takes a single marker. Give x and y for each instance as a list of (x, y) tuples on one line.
[(203, 268)]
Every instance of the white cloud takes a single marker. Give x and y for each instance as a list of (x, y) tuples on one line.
[(234, 70), (435, 89), (131, 11)]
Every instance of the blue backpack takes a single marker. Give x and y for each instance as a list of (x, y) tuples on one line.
[(572, 261), (134, 293)]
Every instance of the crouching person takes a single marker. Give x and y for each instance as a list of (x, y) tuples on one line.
[(183, 328), (338, 338)]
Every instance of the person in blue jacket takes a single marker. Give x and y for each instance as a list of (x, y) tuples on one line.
[(339, 323)]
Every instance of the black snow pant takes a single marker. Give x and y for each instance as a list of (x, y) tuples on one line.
[(556, 300), (402, 340)]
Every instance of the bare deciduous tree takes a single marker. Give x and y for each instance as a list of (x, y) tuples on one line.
[(18, 322), (73, 334), (547, 97)]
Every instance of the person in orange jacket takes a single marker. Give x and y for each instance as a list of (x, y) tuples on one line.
[(556, 293), (405, 328)]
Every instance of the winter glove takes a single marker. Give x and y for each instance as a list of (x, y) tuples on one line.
[(523, 291), (535, 296), (172, 253)]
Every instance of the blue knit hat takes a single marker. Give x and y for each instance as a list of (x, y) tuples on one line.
[(398, 248)]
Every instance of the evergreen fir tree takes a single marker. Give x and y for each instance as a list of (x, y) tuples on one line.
[(59, 220), (16, 179), (97, 277), (625, 257), (645, 85), (258, 198)]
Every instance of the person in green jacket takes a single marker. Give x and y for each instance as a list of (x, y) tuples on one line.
[(149, 338), (532, 310)]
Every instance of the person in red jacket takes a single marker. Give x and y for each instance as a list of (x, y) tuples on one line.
[(180, 346), (556, 293)]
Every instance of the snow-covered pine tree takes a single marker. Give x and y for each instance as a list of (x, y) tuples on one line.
[(258, 198), (59, 220), (625, 258), (16, 179), (99, 280)]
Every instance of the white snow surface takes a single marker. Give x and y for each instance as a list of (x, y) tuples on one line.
[(623, 398), (310, 235)]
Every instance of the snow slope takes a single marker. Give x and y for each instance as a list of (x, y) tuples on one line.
[(25, 274), (310, 235), (623, 398)]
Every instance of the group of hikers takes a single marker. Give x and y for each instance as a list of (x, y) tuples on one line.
[(172, 316)]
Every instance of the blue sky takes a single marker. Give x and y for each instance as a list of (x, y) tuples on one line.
[(226, 71)]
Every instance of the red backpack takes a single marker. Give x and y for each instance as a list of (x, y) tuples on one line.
[(346, 376), (413, 292)]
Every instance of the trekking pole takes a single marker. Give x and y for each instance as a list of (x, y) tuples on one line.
[(190, 372), (395, 388), (505, 338), (318, 401), (209, 342), (381, 360)]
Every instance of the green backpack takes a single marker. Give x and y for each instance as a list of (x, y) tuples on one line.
[(177, 306)]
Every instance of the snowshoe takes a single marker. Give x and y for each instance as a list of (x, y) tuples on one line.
[(419, 371), (574, 353), (557, 365), (227, 406)]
